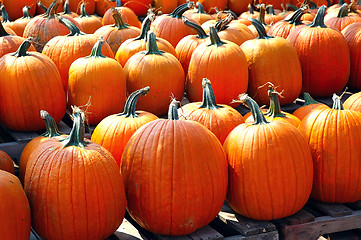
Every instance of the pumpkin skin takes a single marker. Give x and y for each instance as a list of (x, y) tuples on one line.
[(88, 23), (101, 6), (200, 15), (154, 68), (35, 74), (15, 206), (170, 194), (64, 50), (74, 204), (219, 119), (171, 27), (66, 10), (6, 163), (210, 5), (87, 83), (165, 6), (43, 5), (222, 62), (321, 77), (353, 102), (309, 105), (114, 131), (343, 19), (134, 45), (279, 154), (140, 7), (19, 24), (331, 134), (127, 14), (237, 6), (14, 8)]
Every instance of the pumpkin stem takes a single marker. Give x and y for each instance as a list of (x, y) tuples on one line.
[(274, 107), (262, 34), (22, 50), (51, 127), (343, 12), (4, 14), (318, 21), (97, 48), (257, 114), (26, 12), (42, 6), (305, 3), (3, 32), (337, 104), (291, 7), (201, 34), (222, 24), (308, 99), (76, 136), (74, 30), (209, 100), (250, 9), (50, 12), (313, 5), (119, 22), (178, 12), (215, 40), (118, 3), (82, 10), (262, 13), (66, 9), (172, 111), (200, 8), (152, 47), (145, 27), (130, 104), (295, 18), (270, 10), (329, 3)]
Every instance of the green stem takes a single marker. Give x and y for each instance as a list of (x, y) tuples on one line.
[(291, 7), (76, 136), (222, 24), (3, 32), (270, 10), (329, 4), (337, 104), (231, 13), (209, 100), (275, 107), (118, 3), (152, 47), (262, 13), (82, 11), (306, 3), (318, 21), (257, 114), (296, 17), (178, 12), (22, 50), (200, 8), (50, 12), (51, 127), (313, 5), (97, 48), (200, 32), (130, 104), (172, 111), (66, 9), (74, 30), (308, 99), (215, 40), (26, 12), (119, 22), (4, 15), (343, 12), (145, 27), (42, 6), (250, 9), (262, 34)]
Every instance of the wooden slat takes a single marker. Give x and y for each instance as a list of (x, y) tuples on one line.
[(63, 128), (23, 137), (204, 233), (334, 210), (358, 204), (13, 149), (263, 236), (301, 216)]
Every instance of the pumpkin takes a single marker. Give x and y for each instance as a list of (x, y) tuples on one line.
[(64, 50), (220, 119), (44, 27), (83, 197), (237, 6), (19, 24), (200, 15), (251, 13), (74, 6), (324, 57), (309, 105), (165, 6), (14, 207), (271, 17), (87, 83), (14, 8), (353, 102), (284, 27), (188, 44), (222, 62), (154, 68), (36, 75), (171, 27), (118, 33), (51, 131), (210, 5), (156, 159), (127, 14), (66, 10), (268, 57), (6, 21), (6, 163), (270, 167), (89, 24), (114, 131), (343, 19), (331, 134), (101, 6), (140, 7)]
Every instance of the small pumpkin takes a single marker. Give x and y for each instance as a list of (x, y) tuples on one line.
[(127, 14), (88, 23), (66, 10), (200, 15), (19, 24), (353, 102), (6, 163)]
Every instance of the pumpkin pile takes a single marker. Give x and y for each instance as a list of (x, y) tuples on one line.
[(125, 66)]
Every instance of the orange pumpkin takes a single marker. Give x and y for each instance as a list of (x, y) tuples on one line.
[(36, 75), (200, 15), (211, 5), (165, 6), (271, 17), (185, 191), (127, 14), (331, 134), (19, 24), (66, 10), (261, 19), (74, 6), (222, 62), (84, 193), (101, 6), (114, 131), (140, 7), (43, 5), (6, 163), (343, 19), (14, 8), (309, 105), (237, 6), (353, 102), (270, 168), (14, 207), (88, 23)]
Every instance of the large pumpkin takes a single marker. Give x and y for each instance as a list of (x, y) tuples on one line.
[(14, 209), (74, 187), (14, 8), (29, 82), (270, 168), (175, 174), (331, 134), (342, 19), (6, 163)]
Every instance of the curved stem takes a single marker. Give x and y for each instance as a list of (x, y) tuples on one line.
[(262, 34), (3, 32), (26, 13), (181, 9), (308, 99), (4, 15), (152, 47), (22, 50), (200, 8), (51, 127), (222, 24), (209, 100), (82, 11), (295, 19), (257, 114), (270, 10), (145, 27), (50, 13), (74, 30), (42, 6), (343, 12), (66, 9), (318, 21), (130, 104), (337, 104), (174, 13), (97, 48), (119, 22), (231, 13), (215, 40), (76, 136), (262, 13), (172, 111), (200, 32), (274, 107)]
